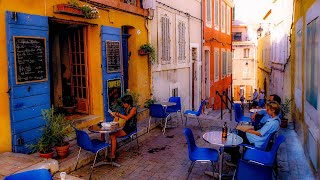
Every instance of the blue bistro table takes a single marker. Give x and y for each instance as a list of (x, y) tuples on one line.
[(215, 138)]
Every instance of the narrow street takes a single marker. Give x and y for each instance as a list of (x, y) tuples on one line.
[(166, 156)]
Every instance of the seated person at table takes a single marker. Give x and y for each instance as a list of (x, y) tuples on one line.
[(261, 117), (130, 116), (258, 138)]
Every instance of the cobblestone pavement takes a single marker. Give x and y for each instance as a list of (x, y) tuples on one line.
[(166, 156)]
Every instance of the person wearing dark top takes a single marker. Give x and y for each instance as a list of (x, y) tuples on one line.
[(130, 115)]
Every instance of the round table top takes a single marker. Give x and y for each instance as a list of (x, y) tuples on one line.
[(166, 103), (100, 129), (215, 138), (256, 110)]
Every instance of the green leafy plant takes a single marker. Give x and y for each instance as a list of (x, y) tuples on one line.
[(149, 102), (117, 107), (285, 107), (90, 12), (149, 49), (69, 101), (60, 127), (74, 3)]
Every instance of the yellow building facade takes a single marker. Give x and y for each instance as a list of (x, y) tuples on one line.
[(51, 51), (305, 76)]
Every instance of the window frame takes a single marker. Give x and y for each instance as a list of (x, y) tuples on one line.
[(216, 15), (209, 21)]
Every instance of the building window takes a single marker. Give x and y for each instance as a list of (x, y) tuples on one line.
[(216, 14), (181, 42), (311, 65), (224, 63), (246, 52), (298, 63), (223, 17), (209, 13), (229, 57), (216, 65), (233, 53), (228, 22), (236, 36), (246, 71), (131, 2), (165, 40)]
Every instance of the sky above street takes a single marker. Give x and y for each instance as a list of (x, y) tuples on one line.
[(250, 11)]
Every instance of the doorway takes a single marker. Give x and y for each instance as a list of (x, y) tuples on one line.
[(68, 62)]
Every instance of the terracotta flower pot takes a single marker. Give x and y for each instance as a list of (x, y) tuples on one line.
[(62, 151), (46, 155), (67, 9), (143, 52)]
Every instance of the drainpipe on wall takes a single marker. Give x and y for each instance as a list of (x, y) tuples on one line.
[(201, 46), (147, 25)]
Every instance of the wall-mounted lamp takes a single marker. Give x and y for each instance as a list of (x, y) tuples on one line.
[(259, 31)]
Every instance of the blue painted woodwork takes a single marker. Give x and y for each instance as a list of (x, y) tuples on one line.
[(26, 100), (112, 34), (125, 57)]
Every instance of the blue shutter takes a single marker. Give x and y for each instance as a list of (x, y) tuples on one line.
[(26, 99), (109, 34)]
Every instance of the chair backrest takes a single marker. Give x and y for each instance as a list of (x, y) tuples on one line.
[(176, 100), (267, 144), (280, 139), (83, 140), (200, 108), (238, 114), (247, 170), (190, 140), (157, 111), (42, 174)]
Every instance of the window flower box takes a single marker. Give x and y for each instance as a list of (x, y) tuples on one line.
[(71, 10)]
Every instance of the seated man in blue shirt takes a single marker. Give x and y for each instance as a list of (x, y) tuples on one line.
[(258, 138), (261, 117)]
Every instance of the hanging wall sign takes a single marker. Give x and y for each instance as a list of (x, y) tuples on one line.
[(114, 91), (113, 56), (30, 59)]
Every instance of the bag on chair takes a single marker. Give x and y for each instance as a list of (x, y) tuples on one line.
[(121, 121)]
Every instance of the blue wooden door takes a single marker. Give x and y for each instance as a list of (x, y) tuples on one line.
[(111, 58), (125, 60), (28, 94)]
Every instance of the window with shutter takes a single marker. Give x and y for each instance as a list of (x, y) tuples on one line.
[(216, 65), (165, 37), (223, 17), (229, 62), (181, 42), (228, 20), (209, 13), (224, 63), (216, 14)]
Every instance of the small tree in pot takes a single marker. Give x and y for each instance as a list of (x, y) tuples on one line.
[(61, 129), (285, 109)]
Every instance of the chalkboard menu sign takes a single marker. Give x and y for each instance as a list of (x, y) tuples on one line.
[(30, 59), (113, 56)]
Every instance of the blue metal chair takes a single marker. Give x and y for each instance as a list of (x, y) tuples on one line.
[(94, 146), (249, 170), (238, 114), (176, 108), (157, 111), (133, 135), (42, 174), (266, 145), (197, 153), (266, 158), (196, 114)]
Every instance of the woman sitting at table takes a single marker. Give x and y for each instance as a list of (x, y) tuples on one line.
[(130, 115), (258, 138)]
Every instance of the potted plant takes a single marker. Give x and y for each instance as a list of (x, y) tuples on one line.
[(69, 103), (148, 49), (60, 129), (149, 102), (46, 141), (72, 8), (285, 109)]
